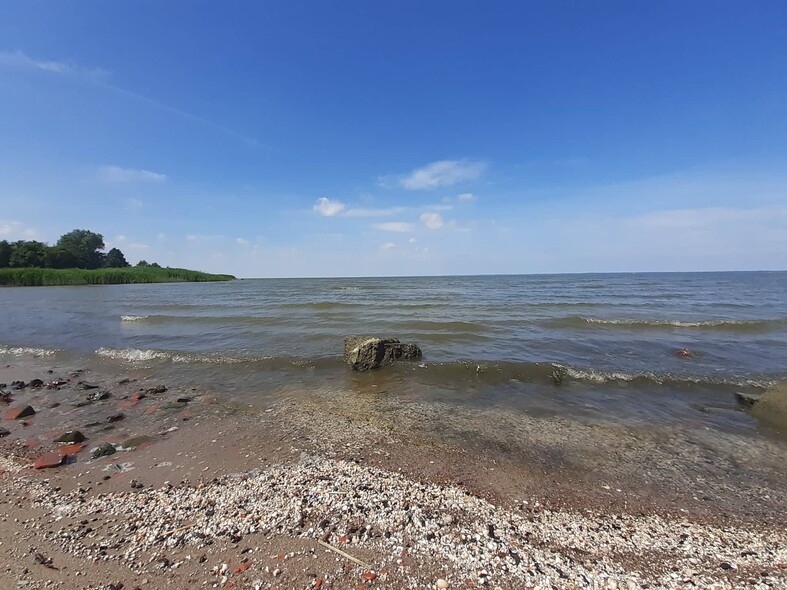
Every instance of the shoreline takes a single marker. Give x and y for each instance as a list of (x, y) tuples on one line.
[(312, 469)]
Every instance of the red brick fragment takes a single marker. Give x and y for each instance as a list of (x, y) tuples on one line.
[(369, 576), (48, 460), (19, 412), (242, 568), (72, 449)]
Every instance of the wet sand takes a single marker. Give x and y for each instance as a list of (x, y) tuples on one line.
[(212, 492)]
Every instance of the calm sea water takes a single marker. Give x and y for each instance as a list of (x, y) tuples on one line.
[(500, 340)]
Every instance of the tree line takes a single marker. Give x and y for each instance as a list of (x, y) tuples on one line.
[(79, 248)]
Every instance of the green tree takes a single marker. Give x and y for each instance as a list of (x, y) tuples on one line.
[(56, 257), (85, 246), (115, 259), (5, 254), (143, 263), (28, 254)]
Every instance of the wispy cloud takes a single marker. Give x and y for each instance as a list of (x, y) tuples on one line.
[(437, 174), (395, 226), (372, 212), (21, 61), (388, 246), (118, 174), (466, 197), (328, 207), (432, 220), (705, 217), (99, 77)]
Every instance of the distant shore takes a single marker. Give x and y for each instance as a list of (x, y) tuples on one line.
[(263, 496), (49, 277)]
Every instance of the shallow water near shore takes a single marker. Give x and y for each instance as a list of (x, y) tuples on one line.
[(594, 348)]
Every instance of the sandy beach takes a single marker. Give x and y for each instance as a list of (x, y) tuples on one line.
[(311, 491)]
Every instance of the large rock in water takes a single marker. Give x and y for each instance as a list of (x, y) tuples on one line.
[(771, 408), (363, 353)]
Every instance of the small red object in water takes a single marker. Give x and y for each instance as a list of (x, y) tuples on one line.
[(685, 353)]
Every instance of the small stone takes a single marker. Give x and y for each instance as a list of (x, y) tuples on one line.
[(71, 436), (36, 383), (441, 583), (19, 412), (103, 450), (4, 432), (369, 576), (86, 385)]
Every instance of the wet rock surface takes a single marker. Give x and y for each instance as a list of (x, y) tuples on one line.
[(364, 353)]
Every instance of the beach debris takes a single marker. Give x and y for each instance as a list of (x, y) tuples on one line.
[(19, 412), (88, 385), (36, 384), (49, 460), (96, 396), (344, 554), (4, 432), (70, 436), (18, 385), (6, 397), (364, 353), (684, 353)]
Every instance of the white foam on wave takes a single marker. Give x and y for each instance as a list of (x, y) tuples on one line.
[(670, 323), (131, 354), (27, 351), (133, 318)]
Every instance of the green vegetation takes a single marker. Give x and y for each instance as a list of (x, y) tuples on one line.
[(34, 277), (77, 259)]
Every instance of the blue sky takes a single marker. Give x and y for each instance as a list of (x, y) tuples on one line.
[(400, 138)]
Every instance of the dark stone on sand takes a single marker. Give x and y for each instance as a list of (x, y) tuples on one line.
[(157, 389), (747, 399), (103, 450), (71, 436), (4, 432), (183, 400), (18, 385), (115, 418), (95, 396), (86, 385), (36, 383), (19, 412), (364, 353)]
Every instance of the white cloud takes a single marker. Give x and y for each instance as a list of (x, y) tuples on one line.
[(118, 174), (388, 246), (395, 226), (412, 241), (191, 238), (138, 246), (437, 174), (466, 197), (241, 241), (432, 220), (327, 207), (16, 230), (120, 238)]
